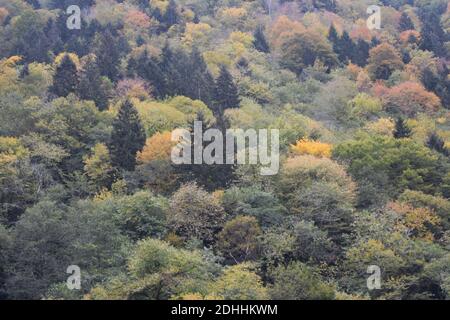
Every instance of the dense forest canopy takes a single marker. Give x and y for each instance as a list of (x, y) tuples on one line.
[(86, 177)]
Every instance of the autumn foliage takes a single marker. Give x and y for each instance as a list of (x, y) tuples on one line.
[(383, 61), (418, 221), (157, 147), (315, 148), (409, 98), (359, 142)]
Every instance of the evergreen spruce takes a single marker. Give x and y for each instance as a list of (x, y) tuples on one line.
[(435, 142), (53, 33), (225, 96), (209, 176), (147, 68), (108, 54), (361, 53), (433, 36), (429, 79), (202, 82), (167, 67), (170, 16), (127, 137), (333, 36), (401, 129), (405, 22), (374, 42), (346, 47), (65, 80), (406, 57), (439, 83), (260, 41), (156, 13), (25, 71), (182, 73), (92, 86)]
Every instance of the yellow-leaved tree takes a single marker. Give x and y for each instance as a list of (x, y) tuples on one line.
[(419, 222), (98, 166), (311, 147)]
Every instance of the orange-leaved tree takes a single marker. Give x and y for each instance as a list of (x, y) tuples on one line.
[(157, 147), (409, 98)]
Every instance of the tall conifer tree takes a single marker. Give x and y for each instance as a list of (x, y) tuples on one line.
[(108, 49), (433, 35), (209, 176), (435, 142), (260, 41), (361, 53), (170, 16), (346, 47), (127, 137), (405, 22), (65, 80), (92, 85), (202, 83), (333, 35), (401, 129), (225, 96)]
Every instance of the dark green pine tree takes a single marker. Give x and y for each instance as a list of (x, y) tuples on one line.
[(202, 83), (405, 23), (92, 86), (140, 41), (333, 37), (374, 42), (170, 16), (361, 53), (442, 88), (65, 80), (429, 79), (260, 42), (345, 47), (24, 72), (148, 69), (226, 96), (53, 32), (401, 129), (108, 52), (433, 36), (435, 142), (156, 13), (127, 137), (226, 93), (170, 72), (209, 176), (177, 71)]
